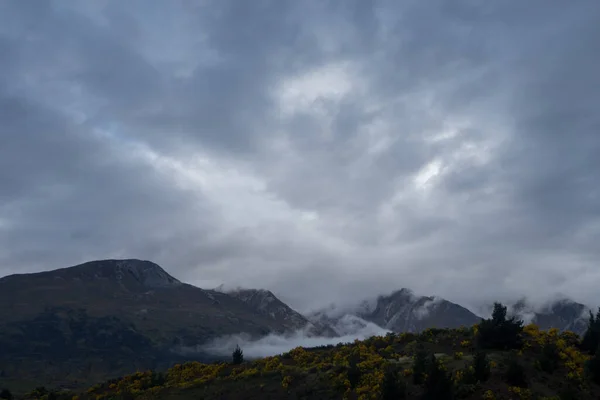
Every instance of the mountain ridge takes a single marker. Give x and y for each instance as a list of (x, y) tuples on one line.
[(107, 317), (112, 317), (268, 304)]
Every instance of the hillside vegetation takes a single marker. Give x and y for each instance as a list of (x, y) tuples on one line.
[(495, 359)]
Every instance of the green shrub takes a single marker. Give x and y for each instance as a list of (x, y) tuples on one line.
[(481, 367), (515, 374), (5, 394), (420, 365), (393, 386), (438, 385)]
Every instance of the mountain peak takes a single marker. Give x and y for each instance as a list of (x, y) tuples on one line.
[(402, 293), (561, 312), (149, 274), (130, 273)]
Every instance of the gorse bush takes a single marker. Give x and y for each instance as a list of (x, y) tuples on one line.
[(395, 366)]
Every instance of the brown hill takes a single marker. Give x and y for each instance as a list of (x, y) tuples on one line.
[(112, 316)]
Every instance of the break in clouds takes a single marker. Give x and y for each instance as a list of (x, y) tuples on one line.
[(324, 150)]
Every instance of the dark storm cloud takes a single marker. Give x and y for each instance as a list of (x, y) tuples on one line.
[(320, 149)]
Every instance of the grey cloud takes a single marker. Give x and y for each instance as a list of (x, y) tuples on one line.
[(322, 149)]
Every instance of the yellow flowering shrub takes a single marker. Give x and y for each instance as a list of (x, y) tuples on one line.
[(286, 381), (523, 394), (330, 366), (488, 395)]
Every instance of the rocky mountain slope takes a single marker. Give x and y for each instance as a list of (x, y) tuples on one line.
[(266, 303), (109, 317), (564, 314), (401, 311)]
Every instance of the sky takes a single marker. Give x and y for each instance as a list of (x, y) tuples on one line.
[(325, 150)]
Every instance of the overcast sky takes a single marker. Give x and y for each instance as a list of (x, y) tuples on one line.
[(326, 150)]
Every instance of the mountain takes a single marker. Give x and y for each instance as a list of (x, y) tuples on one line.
[(109, 317), (564, 314), (401, 311), (266, 303), (105, 318)]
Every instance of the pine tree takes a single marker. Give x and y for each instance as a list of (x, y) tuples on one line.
[(237, 355), (353, 373), (438, 385), (481, 367), (591, 337), (499, 314), (420, 365), (593, 367), (515, 373), (499, 332), (550, 358), (393, 386), (5, 394)]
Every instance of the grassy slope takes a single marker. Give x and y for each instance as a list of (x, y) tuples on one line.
[(73, 325), (321, 373)]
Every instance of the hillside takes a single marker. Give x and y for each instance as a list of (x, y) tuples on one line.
[(266, 303), (76, 326), (397, 366), (88, 322)]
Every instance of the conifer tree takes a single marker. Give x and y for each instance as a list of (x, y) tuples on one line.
[(593, 367), (420, 365), (515, 373), (5, 394), (237, 355), (499, 332), (481, 367), (591, 337), (438, 385), (393, 386), (353, 371)]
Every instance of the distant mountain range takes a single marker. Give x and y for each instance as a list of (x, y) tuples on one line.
[(403, 311), (86, 323)]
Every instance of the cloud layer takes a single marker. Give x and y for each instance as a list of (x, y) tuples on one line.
[(323, 150), (349, 328)]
